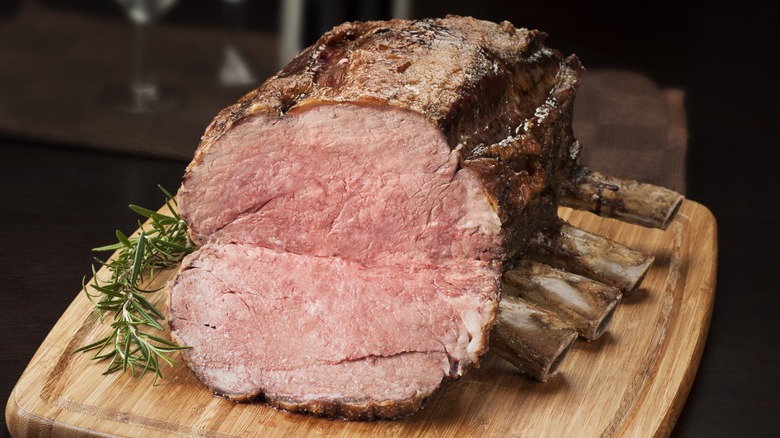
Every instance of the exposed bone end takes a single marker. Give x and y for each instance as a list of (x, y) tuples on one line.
[(590, 255), (531, 338), (585, 304), (626, 200)]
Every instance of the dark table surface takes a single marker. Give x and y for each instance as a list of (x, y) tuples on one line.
[(59, 202)]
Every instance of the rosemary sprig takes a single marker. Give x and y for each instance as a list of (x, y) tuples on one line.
[(162, 245)]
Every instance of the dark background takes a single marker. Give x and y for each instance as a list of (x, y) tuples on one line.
[(722, 54)]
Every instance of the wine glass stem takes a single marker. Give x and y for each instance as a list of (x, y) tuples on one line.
[(139, 60)]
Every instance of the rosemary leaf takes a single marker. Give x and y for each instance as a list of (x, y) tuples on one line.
[(161, 244), (145, 212), (148, 306), (94, 345), (113, 247), (168, 196), (146, 318), (123, 240), (138, 259)]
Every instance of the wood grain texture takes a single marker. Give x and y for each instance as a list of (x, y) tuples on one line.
[(632, 382)]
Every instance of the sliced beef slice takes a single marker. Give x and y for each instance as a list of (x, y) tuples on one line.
[(361, 182), (320, 331)]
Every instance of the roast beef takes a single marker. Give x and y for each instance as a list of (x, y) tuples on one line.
[(355, 213)]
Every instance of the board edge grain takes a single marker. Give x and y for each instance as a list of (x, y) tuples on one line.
[(702, 246)]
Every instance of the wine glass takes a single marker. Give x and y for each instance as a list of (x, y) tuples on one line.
[(234, 69), (142, 94)]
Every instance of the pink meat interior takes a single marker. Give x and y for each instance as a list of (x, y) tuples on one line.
[(345, 256)]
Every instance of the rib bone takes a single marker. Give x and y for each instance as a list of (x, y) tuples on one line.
[(593, 273), (626, 200), (586, 304), (531, 338), (591, 255)]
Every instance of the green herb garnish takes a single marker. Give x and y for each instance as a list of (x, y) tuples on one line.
[(162, 245)]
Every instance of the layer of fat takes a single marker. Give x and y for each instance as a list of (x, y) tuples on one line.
[(479, 212)]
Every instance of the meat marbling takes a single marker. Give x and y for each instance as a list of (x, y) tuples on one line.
[(355, 213)]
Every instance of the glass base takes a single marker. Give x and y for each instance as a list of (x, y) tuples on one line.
[(141, 98)]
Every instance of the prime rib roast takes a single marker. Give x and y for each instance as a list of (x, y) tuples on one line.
[(379, 212)]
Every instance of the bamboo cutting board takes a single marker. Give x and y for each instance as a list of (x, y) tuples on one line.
[(631, 382)]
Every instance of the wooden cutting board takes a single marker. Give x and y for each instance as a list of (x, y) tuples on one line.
[(631, 382)]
